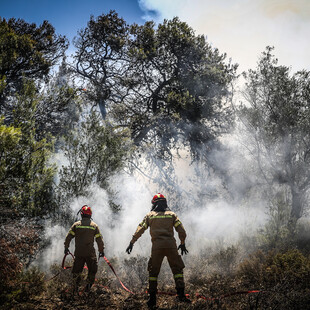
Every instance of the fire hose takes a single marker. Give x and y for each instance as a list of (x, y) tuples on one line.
[(109, 264), (124, 287), (64, 259), (161, 293)]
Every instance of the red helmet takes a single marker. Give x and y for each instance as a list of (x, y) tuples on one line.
[(86, 210), (158, 197)]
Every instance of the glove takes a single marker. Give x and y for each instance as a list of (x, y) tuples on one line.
[(183, 249), (129, 248), (101, 254), (66, 251)]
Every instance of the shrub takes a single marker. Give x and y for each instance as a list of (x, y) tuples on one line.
[(284, 276), (136, 271), (225, 259), (28, 284)]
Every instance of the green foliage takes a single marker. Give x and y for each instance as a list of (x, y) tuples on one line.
[(100, 58), (32, 283), (57, 112), (9, 139), (25, 178), (55, 108), (94, 152), (282, 278), (2, 84), (283, 275), (291, 266), (166, 85), (27, 51), (180, 90)]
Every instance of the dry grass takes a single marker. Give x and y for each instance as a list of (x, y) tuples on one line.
[(282, 278)]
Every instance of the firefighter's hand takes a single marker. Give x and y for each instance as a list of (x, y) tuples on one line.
[(129, 248), (183, 249), (101, 254), (66, 251)]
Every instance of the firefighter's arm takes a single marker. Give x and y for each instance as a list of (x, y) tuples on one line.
[(70, 236), (180, 229), (139, 231), (99, 240), (142, 227)]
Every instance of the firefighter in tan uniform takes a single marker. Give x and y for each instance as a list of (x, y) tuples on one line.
[(84, 232), (162, 221)]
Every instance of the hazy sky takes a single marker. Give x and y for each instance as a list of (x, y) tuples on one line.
[(243, 28), (240, 28)]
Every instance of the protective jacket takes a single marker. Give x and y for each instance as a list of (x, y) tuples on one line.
[(161, 229), (84, 232)]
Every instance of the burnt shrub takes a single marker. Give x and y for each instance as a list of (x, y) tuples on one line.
[(135, 270), (10, 267), (27, 285), (225, 260)]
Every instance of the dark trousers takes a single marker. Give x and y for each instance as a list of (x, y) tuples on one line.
[(78, 265), (175, 262)]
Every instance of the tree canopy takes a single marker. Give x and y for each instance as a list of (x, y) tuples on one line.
[(26, 179), (27, 51), (165, 84)]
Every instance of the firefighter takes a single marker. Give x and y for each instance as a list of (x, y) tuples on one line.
[(84, 232), (161, 222)]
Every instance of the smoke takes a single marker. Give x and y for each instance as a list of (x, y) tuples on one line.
[(54, 252), (214, 210), (116, 228), (208, 219)]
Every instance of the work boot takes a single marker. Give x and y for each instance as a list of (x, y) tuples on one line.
[(77, 280), (151, 303), (181, 296), (87, 287), (75, 290)]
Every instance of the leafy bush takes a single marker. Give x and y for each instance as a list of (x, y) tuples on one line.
[(283, 276)]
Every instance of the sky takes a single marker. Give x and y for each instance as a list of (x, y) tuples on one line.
[(240, 28)]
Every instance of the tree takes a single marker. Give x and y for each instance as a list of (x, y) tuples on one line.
[(180, 86), (169, 87), (166, 85), (59, 105), (94, 152), (26, 51), (26, 179), (100, 57), (277, 115)]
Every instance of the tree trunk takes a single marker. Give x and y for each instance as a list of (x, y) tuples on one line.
[(297, 208)]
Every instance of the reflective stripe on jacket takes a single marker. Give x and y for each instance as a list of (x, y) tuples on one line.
[(161, 229), (84, 232)]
